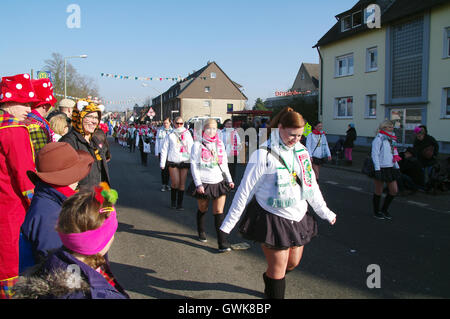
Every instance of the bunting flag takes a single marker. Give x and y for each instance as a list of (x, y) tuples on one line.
[(129, 100), (142, 78)]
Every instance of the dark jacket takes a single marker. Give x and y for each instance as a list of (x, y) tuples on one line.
[(412, 167), (420, 146), (39, 226), (350, 138), (54, 279), (99, 170)]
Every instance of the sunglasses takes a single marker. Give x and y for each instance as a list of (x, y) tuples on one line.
[(179, 123)]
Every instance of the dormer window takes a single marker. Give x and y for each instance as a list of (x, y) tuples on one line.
[(357, 19), (346, 23)]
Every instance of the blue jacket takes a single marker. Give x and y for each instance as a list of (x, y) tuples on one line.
[(62, 276), (38, 229)]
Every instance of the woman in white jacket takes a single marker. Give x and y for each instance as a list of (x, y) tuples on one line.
[(385, 159), (282, 184), (317, 146), (161, 134), (209, 167), (175, 152)]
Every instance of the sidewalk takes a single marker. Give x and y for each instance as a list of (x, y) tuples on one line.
[(359, 154)]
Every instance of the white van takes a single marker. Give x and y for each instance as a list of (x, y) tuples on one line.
[(202, 119)]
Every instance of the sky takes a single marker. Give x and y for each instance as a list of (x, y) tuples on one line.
[(259, 44)]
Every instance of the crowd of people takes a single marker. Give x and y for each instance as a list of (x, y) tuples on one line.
[(58, 207)]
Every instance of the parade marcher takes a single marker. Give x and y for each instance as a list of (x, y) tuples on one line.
[(16, 158), (349, 143), (143, 140), (78, 270), (317, 146), (131, 137), (59, 125), (232, 142), (40, 131), (85, 119), (175, 152), (277, 186), (209, 167), (161, 134), (385, 159), (59, 169)]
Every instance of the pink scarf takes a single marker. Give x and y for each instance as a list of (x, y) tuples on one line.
[(91, 242), (207, 155), (393, 142)]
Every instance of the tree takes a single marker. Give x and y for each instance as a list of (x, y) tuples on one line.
[(77, 84), (259, 105)]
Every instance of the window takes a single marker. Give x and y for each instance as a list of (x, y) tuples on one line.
[(302, 76), (207, 89), (446, 42), (371, 106), (357, 19), (344, 65), (346, 23), (446, 103), (213, 75), (207, 103), (344, 107), (371, 59)]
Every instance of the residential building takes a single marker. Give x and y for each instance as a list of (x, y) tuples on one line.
[(391, 61), (206, 92)]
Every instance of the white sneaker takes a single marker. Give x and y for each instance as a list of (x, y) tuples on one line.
[(163, 188)]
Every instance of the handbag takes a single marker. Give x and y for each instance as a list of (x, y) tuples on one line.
[(368, 167)]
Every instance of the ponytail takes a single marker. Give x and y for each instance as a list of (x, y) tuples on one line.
[(288, 118)]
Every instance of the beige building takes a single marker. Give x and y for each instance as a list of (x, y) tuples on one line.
[(206, 92), (392, 65)]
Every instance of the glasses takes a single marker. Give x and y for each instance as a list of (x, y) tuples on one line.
[(91, 118), (179, 123)]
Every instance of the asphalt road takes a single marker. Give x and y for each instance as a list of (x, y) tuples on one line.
[(156, 254)]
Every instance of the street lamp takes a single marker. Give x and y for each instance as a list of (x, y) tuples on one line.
[(160, 94), (83, 56)]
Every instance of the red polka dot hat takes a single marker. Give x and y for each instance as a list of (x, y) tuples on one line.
[(44, 92), (17, 88)]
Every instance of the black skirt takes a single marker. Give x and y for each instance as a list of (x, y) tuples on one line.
[(319, 161), (274, 231), (179, 165), (212, 191), (388, 174)]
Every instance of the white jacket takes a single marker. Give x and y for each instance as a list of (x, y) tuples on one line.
[(207, 171), (159, 139), (322, 150), (171, 148), (382, 156), (260, 179)]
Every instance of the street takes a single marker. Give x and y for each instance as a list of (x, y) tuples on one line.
[(156, 253)]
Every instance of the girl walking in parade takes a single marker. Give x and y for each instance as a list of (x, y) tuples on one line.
[(175, 153), (385, 159), (278, 185), (212, 179), (317, 146), (161, 134), (78, 270)]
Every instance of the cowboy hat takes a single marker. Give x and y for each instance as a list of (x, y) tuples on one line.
[(60, 164)]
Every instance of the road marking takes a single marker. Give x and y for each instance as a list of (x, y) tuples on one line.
[(355, 188), (417, 203), (331, 182)]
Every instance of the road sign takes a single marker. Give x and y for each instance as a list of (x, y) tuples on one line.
[(151, 113), (44, 75)]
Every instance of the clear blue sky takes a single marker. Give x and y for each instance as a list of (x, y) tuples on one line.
[(259, 44)]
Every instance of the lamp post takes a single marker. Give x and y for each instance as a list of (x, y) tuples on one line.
[(160, 94), (83, 56)]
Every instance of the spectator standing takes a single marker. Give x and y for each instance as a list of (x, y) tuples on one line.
[(85, 120), (59, 169), (59, 125), (349, 143), (16, 158), (64, 106)]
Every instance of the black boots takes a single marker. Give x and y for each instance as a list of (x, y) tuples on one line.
[(224, 245), (386, 204), (201, 226), (274, 288), (376, 206), (384, 210), (176, 198)]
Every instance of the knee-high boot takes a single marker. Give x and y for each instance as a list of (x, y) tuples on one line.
[(224, 245), (201, 226), (173, 197), (274, 288), (180, 199)]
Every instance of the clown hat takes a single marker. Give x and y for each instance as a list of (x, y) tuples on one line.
[(17, 88), (44, 92)]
